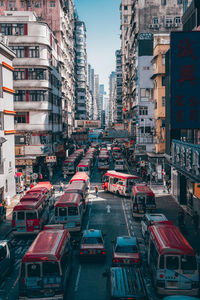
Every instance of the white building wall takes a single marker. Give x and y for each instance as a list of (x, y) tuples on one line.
[(7, 159)]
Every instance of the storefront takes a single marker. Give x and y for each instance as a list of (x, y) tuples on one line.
[(185, 174)]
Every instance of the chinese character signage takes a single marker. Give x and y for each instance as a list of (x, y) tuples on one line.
[(185, 80), (186, 157), (50, 159)]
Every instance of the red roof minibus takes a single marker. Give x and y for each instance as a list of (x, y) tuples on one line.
[(143, 200), (46, 266), (84, 166), (81, 177), (29, 217), (69, 210), (103, 161), (172, 261), (119, 183)]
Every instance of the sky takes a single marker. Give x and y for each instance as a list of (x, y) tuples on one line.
[(102, 20)]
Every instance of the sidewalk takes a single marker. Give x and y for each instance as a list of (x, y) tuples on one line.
[(167, 205)]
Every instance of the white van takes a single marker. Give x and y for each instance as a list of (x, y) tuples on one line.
[(119, 165)]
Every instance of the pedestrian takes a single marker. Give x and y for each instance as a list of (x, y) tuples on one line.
[(167, 186), (96, 188), (195, 221), (61, 187)]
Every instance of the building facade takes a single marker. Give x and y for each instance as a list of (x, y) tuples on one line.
[(97, 107), (7, 148), (81, 86), (38, 98), (112, 97), (119, 106), (59, 15)]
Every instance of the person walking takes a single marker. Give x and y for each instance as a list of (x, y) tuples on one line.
[(61, 187), (96, 190), (195, 220)]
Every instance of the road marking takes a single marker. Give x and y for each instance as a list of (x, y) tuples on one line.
[(127, 225), (77, 279), (51, 219), (108, 207)]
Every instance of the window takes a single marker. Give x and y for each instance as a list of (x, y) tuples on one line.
[(3, 252), (179, 1), (31, 215), (169, 21), (37, 74), (72, 211), (163, 101), (33, 270), (37, 95), (33, 52), (146, 94), (161, 265), (20, 117), (163, 59), (22, 4), (20, 95), (19, 51), (52, 3), (92, 240), (155, 104), (19, 74), (38, 4), (2, 3), (62, 211), (155, 20), (143, 111), (177, 20), (126, 249), (50, 268), (20, 215), (125, 7), (12, 29), (125, 19), (163, 2), (172, 262), (188, 263), (163, 80)]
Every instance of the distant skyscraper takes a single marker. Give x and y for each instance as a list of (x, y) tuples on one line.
[(112, 100), (97, 107), (101, 94)]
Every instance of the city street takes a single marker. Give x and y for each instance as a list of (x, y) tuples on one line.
[(112, 215)]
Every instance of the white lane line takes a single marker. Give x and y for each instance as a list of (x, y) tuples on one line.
[(77, 279), (127, 225)]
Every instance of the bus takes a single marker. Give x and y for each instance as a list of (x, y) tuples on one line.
[(78, 187), (45, 188), (119, 183), (143, 200), (69, 166), (172, 261), (29, 217), (116, 153), (46, 266), (119, 165), (81, 177), (103, 162), (69, 210), (84, 166)]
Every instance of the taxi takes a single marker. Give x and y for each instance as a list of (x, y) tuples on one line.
[(92, 244), (125, 251)]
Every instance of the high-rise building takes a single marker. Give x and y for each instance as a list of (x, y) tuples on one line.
[(101, 95), (112, 96), (81, 87), (119, 106), (7, 148), (59, 15), (97, 108), (37, 84), (91, 91), (139, 21)]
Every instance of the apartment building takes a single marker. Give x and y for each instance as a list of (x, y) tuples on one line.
[(97, 107), (146, 19), (119, 105), (91, 92), (37, 84), (112, 97), (59, 15), (81, 86), (7, 148)]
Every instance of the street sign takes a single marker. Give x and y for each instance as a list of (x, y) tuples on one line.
[(50, 159), (34, 176)]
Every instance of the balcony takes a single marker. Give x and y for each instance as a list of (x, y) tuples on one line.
[(32, 105), (29, 62), (33, 127), (18, 84)]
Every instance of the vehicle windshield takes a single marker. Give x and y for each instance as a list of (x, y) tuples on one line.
[(130, 182), (72, 211), (150, 200), (20, 215), (188, 263), (83, 169), (140, 199), (172, 262), (31, 215), (50, 268), (103, 159), (92, 240), (126, 249), (63, 212), (33, 270)]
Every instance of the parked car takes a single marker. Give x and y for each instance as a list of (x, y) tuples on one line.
[(6, 258), (125, 251), (92, 244), (126, 283), (151, 219)]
